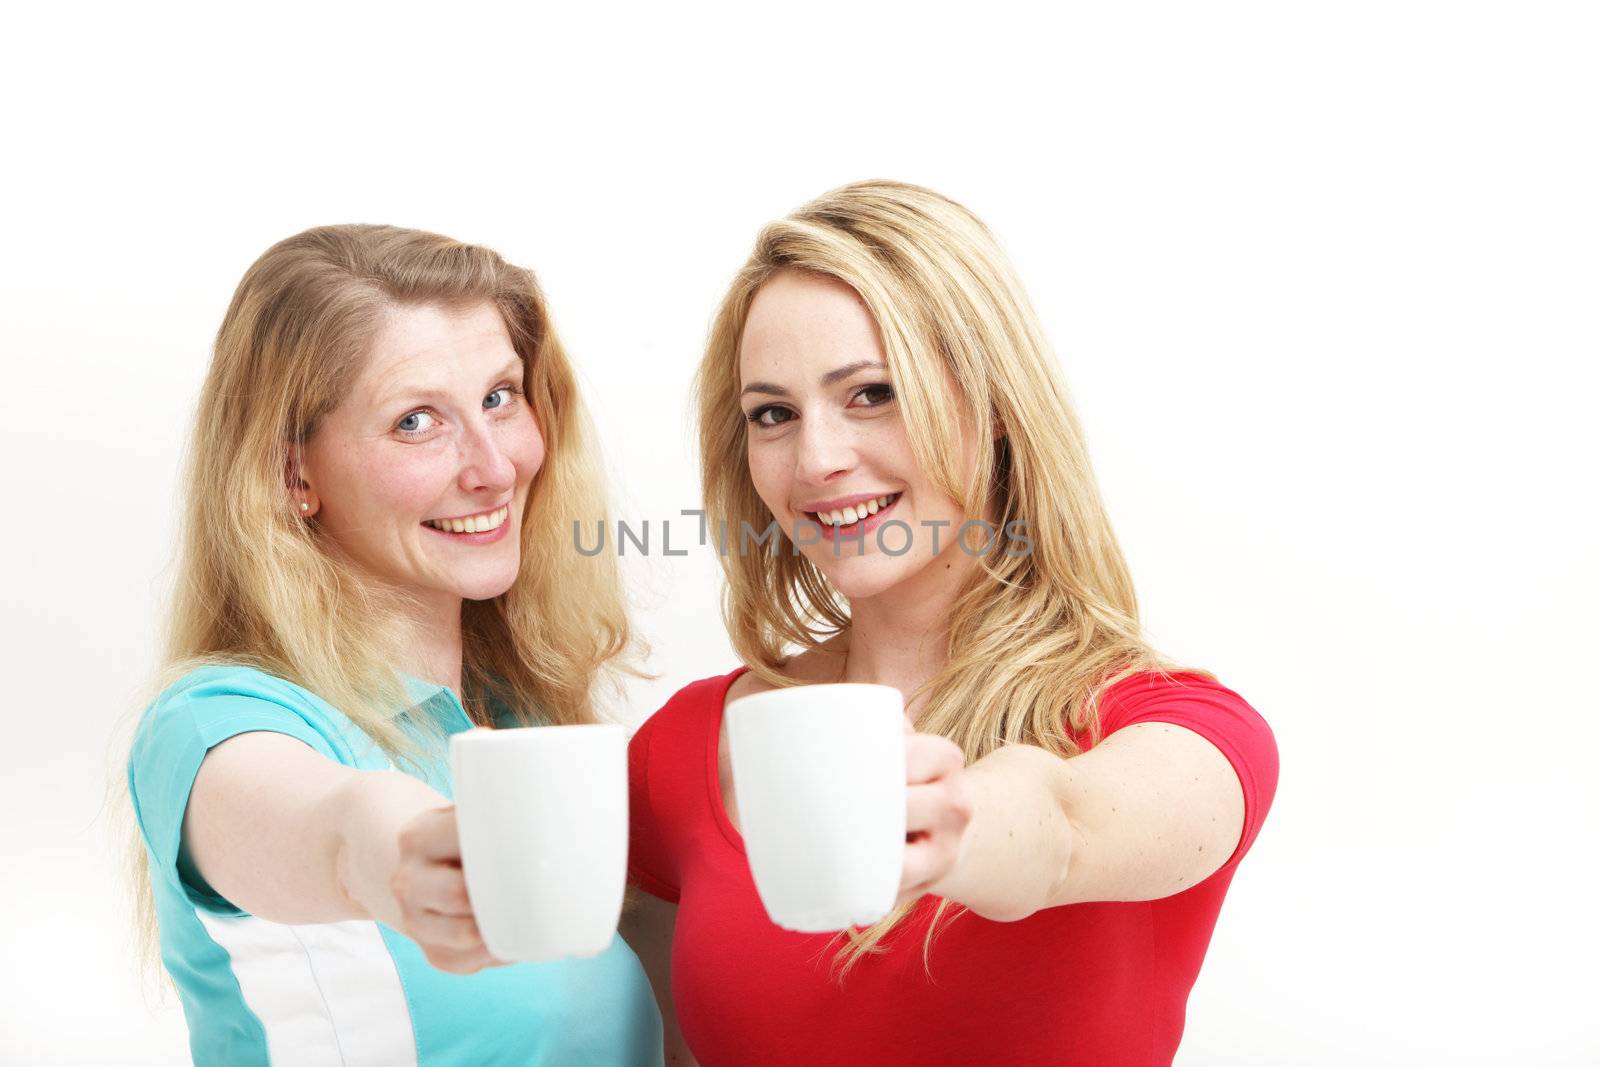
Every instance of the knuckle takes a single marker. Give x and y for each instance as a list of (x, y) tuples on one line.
[(950, 849), (466, 936), (960, 799)]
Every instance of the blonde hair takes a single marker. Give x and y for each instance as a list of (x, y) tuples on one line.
[(257, 584), (1035, 636)]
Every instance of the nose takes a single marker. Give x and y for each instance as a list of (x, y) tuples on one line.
[(825, 450), (485, 465)]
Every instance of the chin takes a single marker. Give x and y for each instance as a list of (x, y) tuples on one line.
[(486, 591), (862, 578), (483, 586)]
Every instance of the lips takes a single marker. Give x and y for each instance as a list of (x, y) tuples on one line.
[(850, 514)]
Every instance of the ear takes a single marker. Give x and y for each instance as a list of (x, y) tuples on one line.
[(303, 498)]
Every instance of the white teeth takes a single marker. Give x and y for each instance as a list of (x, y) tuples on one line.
[(472, 524), (849, 516)]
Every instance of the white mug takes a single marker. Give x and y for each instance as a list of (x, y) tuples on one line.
[(819, 776), (542, 813)]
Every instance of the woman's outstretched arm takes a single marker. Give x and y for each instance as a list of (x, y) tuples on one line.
[(288, 835), (1150, 811)]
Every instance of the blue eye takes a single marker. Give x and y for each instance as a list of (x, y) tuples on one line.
[(413, 423), (507, 395)]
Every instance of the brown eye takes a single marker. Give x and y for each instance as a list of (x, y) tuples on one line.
[(874, 395), (771, 415)]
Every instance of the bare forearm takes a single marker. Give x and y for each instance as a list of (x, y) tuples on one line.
[(1149, 812), (1018, 847)]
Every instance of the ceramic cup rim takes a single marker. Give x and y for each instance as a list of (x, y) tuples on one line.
[(757, 701), (480, 736)]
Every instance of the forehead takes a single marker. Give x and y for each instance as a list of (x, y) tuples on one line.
[(438, 342), (805, 322)]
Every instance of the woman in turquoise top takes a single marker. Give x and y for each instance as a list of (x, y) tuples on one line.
[(388, 450)]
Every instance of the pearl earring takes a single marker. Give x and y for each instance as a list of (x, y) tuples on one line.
[(304, 506)]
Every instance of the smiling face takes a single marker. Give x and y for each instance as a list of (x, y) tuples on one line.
[(421, 473), (826, 442)]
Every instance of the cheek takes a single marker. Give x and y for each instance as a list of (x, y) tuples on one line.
[(407, 489), (767, 475), (526, 449), (363, 489), (889, 440)]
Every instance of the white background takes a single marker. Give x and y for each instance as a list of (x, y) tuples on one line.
[(1323, 279)]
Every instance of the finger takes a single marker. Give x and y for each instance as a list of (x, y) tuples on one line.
[(435, 887), (927, 860), (930, 757), (461, 962), (925, 806), (444, 932), (432, 836)]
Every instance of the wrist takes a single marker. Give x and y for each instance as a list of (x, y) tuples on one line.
[(371, 810), (1014, 850)]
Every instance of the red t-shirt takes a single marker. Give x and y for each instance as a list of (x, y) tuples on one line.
[(1100, 984)]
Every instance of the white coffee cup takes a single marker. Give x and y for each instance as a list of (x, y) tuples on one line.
[(819, 775), (542, 814)]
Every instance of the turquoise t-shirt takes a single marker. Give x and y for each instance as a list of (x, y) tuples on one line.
[(357, 992)]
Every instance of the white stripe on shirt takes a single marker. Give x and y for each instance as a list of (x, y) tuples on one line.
[(326, 993)]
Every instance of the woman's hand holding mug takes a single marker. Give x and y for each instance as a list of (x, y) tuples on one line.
[(939, 806), (431, 892)]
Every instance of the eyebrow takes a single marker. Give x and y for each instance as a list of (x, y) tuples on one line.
[(512, 370), (838, 374)]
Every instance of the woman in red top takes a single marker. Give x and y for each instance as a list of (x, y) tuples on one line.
[(877, 386)]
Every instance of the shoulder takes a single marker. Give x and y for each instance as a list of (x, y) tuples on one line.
[(1200, 703), (665, 752), (1159, 695), (707, 697), (209, 704), (695, 703), (198, 711), (225, 689), (225, 681)]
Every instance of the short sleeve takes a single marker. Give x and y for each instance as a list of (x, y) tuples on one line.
[(173, 738), (1217, 714), (649, 865)]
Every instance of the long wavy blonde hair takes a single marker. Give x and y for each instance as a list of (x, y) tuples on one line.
[(257, 584), (1035, 636)]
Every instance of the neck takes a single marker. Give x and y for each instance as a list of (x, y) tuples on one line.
[(901, 637), (433, 639)]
